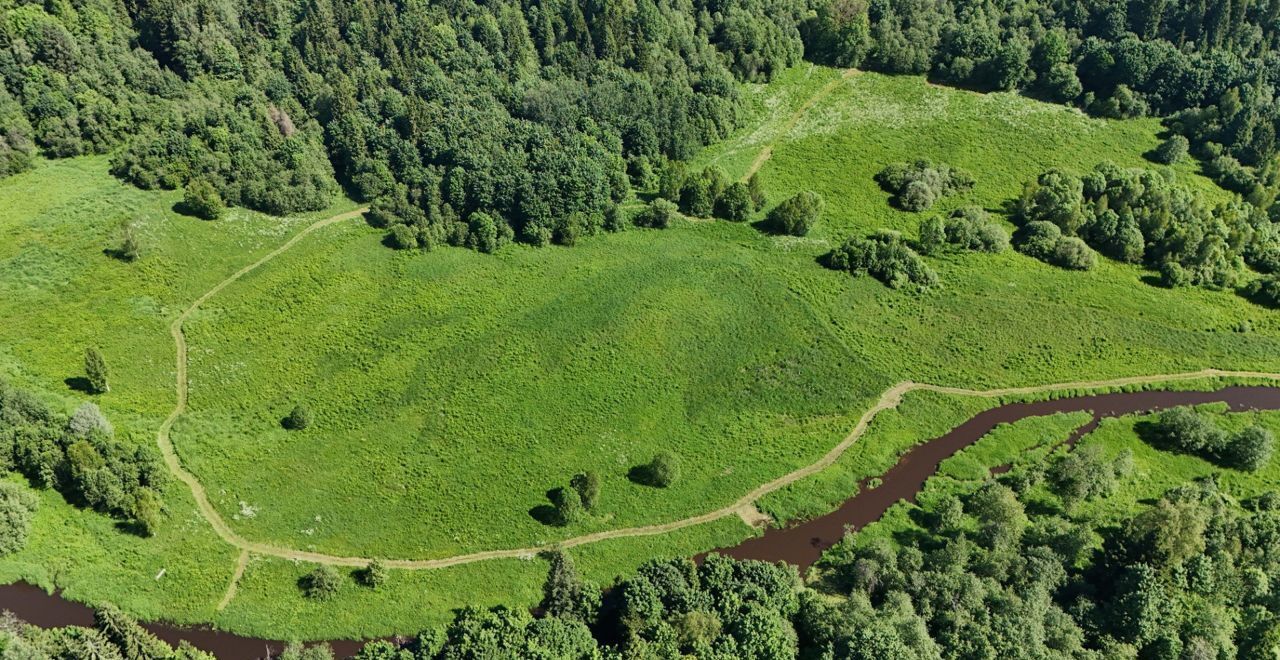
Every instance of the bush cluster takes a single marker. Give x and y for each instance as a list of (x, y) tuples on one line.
[(968, 228), (884, 256), (918, 186), (1186, 430)]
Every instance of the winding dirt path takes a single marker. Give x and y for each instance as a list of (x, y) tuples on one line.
[(767, 152), (741, 507)]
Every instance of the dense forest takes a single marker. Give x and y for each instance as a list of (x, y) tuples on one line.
[(476, 123)]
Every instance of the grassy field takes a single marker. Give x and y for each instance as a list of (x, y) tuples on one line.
[(452, 389)]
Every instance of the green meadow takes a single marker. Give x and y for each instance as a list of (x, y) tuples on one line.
[(452, 389)]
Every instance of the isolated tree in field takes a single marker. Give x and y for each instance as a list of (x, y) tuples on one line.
[(588, 486), (373, 575), (1185, 429), (567, 503), (321, 584), (95, 371), (146, 511), (202, 200), (735, 203), (17, 508), (1172, 150), (130, 249), (797, 215), (298, 419), (661, 472)]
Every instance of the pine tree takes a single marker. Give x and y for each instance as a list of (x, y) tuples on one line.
[(95, 370)]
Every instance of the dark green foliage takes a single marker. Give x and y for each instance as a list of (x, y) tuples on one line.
[(968, 228), (202, 200), (134, 642), (565, 594), (755, 187), (95, 371), (884, 256), (17, 507), (77, 456), (917, 186), (797, 215), (587, 484), (146, 511), (658, 215), (1085, 474), (1184, 429), (1265, 290), (567, 504), (1172, 150), (1072, 253), (1250, 449), (1143, 216), (373, 575), (735, 204), (322, 583), (298, 419), (661, 472)]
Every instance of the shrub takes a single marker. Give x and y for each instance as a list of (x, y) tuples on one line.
[(1172, 150), (1185, 429), (130, 249), (756, 188), (797, 215), (884, 256), (918, 186), (202, 200), (1265, 290), (1250, 449), (567, 503), (17, 507), (735, 204), (95, 371), (1037, 239), (321, 584), (1071, 252), (402, 237), (971, 228), (87, 420), (660, 472), (658, 215), (933, 235), (587, 484), (373, 575), (298, 419), (146, 511)]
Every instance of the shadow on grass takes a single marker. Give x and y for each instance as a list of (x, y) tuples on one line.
[(79, 384)]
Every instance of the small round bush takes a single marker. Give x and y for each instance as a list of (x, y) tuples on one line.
[(202, 200), (588, 486), (402, 237), (1037, 239), (663, 470), (298, 419), (1173, 275), (797, 215), (1172, 150), (1073, 253), (568, 505), (735, 203), (374, 575), (658, 216), (917, 196), (321, 584), (1250, 450)]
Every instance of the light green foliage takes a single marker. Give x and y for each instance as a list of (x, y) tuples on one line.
[(17, 507), (797, 215), (202, 200)]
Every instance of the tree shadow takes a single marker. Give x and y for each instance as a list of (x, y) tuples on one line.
[(1154, 280), (643, 475), (132, 527), (117, 254), (1256, 298), (546, 514), (79, 384)]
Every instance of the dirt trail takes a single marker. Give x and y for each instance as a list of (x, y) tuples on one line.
[(889, 399), (235, 580), (767, 152)]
